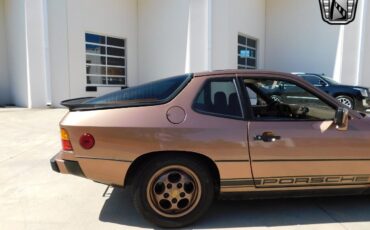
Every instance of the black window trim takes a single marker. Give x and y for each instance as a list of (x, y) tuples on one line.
[(234, 79), (250, 115), (246, 102)]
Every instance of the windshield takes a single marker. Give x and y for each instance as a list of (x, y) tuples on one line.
[(330, 80), (152, 92)]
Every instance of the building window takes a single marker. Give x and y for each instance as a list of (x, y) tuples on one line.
[(105, 60), (247, 52)]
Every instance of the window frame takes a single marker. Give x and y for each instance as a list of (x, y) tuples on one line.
[(248, 106), (106, 56), (318, 77), (246, 66), (236, 83)]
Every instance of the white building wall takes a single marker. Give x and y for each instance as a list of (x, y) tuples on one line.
[(231, 17), (163, 26), (166, 37), (365, 57), (4, 78), (16, 44), (297, 39), (117, 18), (59, 51)]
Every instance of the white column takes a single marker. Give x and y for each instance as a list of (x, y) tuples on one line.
[(209, 35), (4, 77), (16, 46), (38, 72), (337, 73), (353, 48), (199, 37), (363, 77)]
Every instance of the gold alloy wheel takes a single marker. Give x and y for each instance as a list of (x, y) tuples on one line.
[(174, 191)]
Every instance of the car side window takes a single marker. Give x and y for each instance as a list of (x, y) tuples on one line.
[(219, 97), (313, 80), (283, 100), (254, 98)]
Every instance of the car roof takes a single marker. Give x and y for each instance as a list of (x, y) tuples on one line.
[(240, 72), (300, 74), (254, 73)]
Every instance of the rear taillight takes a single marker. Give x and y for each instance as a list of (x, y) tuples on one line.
[(66, 142), (87, 141)]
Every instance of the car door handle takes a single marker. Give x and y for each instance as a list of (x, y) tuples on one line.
[(267, 137)]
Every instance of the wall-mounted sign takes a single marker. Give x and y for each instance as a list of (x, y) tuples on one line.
[(338, 12)]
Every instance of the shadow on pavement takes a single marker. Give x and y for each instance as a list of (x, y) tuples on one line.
[(255, 213), (119, 209)]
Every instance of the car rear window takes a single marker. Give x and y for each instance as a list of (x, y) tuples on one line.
[(149, 93)]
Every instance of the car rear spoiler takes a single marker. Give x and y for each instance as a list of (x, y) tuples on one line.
[(76, 102)]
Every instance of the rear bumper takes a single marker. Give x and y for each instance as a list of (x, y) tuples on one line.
[(54, 165), (105, 171), (65, 166)]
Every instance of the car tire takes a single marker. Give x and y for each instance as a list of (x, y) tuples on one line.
[(173, 192), (346, 100)]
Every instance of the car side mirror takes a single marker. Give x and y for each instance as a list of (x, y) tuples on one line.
[(342, 119)]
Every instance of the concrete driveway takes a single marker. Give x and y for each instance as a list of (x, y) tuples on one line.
[(32, 196)]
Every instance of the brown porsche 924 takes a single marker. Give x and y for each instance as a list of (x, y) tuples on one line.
[(181, 142)]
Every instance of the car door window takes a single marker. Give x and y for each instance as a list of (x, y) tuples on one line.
[(283, 100), (219, 97), (312, 79)]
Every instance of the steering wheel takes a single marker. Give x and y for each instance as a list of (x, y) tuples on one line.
[(302, 111)]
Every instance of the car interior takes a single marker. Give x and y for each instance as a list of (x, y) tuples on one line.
[(269, 100), (219, 98), (278, 100)]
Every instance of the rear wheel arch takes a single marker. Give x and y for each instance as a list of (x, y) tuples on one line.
[(143, 159)]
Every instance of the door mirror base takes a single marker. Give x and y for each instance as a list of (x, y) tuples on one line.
[(342, 119)]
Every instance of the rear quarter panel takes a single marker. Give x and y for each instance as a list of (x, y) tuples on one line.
[(127, 133)]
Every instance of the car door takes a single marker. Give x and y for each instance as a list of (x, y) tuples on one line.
[(298, 145)]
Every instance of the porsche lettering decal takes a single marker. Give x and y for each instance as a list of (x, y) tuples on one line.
[(324, 180), (298, 181)]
